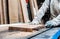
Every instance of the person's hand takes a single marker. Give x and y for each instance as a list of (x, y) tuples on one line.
[(34, 22), (50, 23)]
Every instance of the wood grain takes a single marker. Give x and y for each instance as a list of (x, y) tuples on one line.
[(1, 13), (20, 14), (27, 28), (25, 11), (13, 11), (35, 5), (33, 9), (4, 12)]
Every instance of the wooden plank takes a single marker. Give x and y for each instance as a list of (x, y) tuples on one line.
[(13, 11), (1, 13), (35, 5), (33, 10), (27, 28), (20, 14), (25, 12), (23, 27), (4, 11)]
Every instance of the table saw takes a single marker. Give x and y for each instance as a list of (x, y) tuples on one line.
[(45, 33)]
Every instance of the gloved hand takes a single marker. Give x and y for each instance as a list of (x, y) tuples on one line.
[(35, 22), (50, 23)]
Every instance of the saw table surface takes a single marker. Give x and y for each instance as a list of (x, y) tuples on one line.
[(6, 34)]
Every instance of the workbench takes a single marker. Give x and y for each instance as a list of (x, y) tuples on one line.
[(45, 33)]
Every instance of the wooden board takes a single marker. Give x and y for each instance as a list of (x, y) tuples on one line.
[(1, 13), (4, 11), (33, 10), (35, 4), (20, 14), (25, 12), (13, 11), (27, 28)]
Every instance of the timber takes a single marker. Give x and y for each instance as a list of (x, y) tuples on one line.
[(33, 9), (1, 13), (25, 11), (26, 28), (13, 11), (20, 13), (4, 11), (23, 27), (35, 4)]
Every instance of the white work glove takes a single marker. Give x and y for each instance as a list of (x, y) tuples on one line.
[(35, 22), (53, 22), (50, 23)]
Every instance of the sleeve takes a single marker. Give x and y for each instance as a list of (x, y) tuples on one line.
[(41, 11), (57, 20)]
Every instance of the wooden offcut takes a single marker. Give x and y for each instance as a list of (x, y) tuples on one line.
[(13, 11), (27, 28), (23, 27)]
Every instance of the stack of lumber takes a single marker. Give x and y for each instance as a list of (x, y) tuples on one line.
[(15, 11)]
